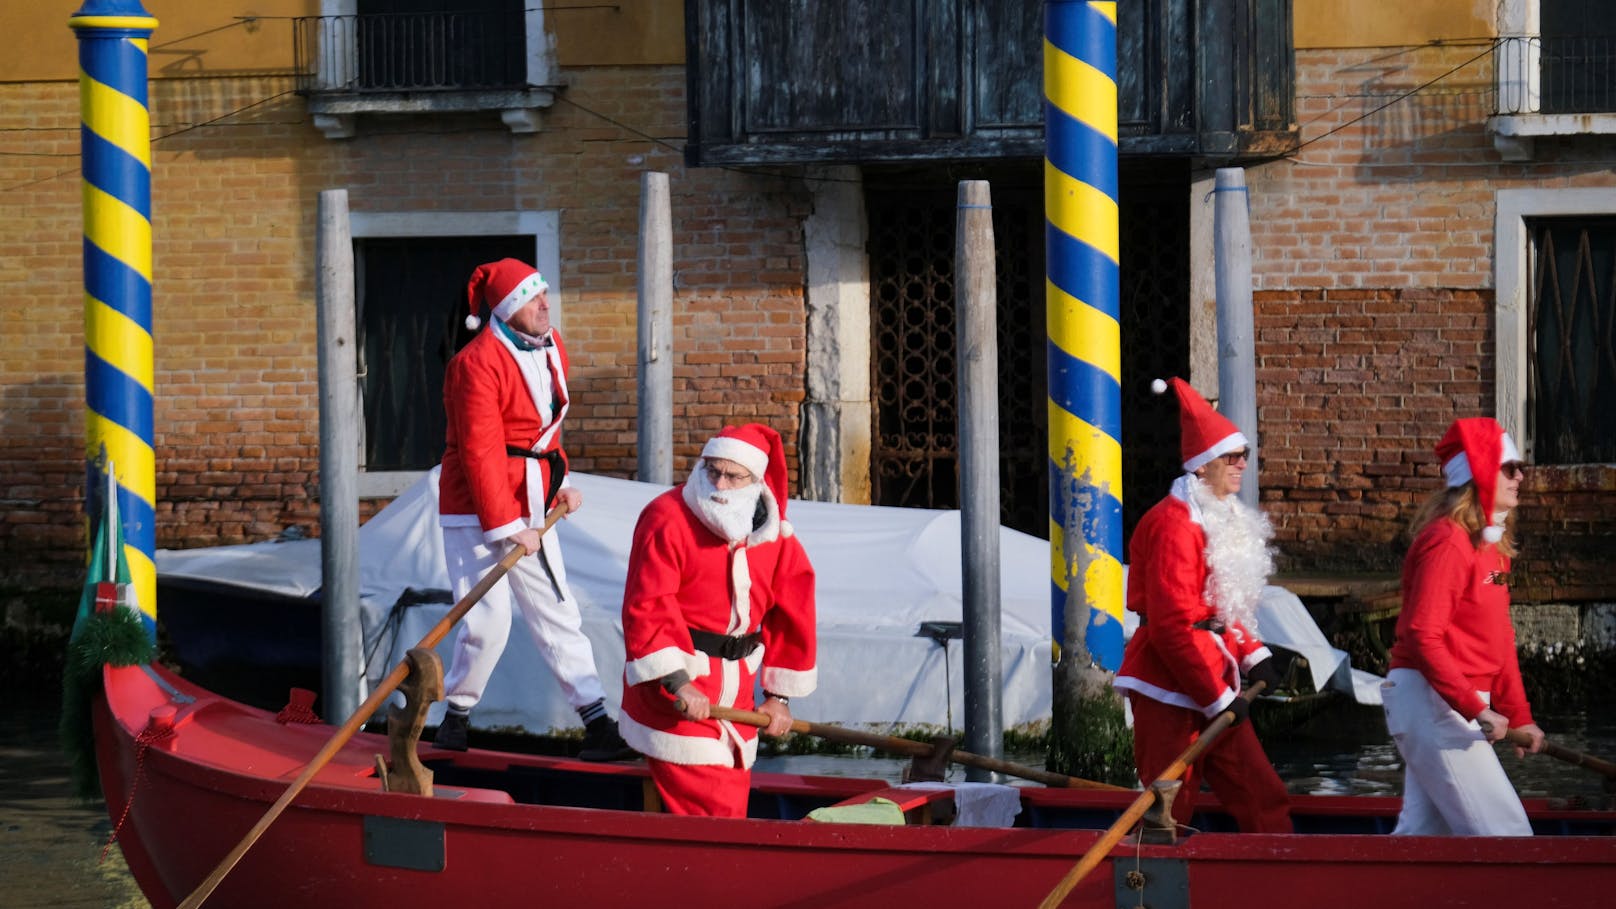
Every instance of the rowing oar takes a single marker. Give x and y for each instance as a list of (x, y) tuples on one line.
[(1605, 768), (369, 707), (1097, 853), (894, 745)]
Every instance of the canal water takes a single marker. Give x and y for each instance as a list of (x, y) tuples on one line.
[(55, 851)]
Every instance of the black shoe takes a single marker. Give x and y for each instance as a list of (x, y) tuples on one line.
[(603, 743), (452, 731)]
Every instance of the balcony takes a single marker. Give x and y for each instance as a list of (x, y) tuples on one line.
[(1552, 86), (418, 63)]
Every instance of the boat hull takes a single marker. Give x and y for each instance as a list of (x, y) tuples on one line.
[(180, 801)]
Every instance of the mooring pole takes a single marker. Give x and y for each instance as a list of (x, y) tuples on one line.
[(115, 144), (1237, 344), (655, 383), (1084, 344), (978, 355), (343, 638)]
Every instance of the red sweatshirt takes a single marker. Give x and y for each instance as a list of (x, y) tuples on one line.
[(1454, 627)]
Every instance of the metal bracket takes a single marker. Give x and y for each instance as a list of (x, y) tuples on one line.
[(1157, 883)]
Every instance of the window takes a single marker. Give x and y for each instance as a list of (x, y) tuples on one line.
[(1555, 277), (1579, 57), (410, 292), (1571, 349), (412, 57)]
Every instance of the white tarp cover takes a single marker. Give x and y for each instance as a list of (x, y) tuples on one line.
[(881, 573)]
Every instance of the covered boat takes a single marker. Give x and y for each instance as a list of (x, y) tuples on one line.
[(187, 774)]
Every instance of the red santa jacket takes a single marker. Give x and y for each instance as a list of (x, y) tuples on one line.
[(490, 405), (1454, 625), (679, 578), (1169, 658)]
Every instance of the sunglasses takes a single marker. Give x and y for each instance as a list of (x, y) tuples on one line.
[(1235, 457), (1513, 470)]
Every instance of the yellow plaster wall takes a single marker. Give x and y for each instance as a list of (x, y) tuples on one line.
[(217, 39), (1389, 23)]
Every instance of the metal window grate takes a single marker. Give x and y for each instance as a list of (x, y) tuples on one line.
[(466, 50), (1571, 344)]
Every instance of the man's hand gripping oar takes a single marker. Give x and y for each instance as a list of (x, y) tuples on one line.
[(342, 736)]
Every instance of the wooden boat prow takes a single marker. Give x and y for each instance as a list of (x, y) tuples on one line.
[(187, 773)]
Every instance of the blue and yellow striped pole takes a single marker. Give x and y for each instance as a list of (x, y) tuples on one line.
[(115, 137), (1085, 353)]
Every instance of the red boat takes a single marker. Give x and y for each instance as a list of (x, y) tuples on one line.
[(188, 773)]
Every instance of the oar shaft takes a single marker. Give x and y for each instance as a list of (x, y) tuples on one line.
[(1114, 834), (1602, 767), (895, 745), (344, 734)]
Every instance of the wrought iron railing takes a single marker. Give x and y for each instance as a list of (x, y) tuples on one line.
[(1556, 75), (458, 51)]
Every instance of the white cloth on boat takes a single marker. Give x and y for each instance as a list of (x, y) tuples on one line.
[(979, 804), (1453, 784)]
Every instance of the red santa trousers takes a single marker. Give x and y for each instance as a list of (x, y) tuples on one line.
[(701, 789), (1235, 766)]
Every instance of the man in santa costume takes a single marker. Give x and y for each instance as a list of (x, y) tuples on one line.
[(505, 395), (1197, 563), (720, 596), (1454, 686)]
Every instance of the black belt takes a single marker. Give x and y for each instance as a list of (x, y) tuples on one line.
[(725, 646), (558, 469), (1215, 626)]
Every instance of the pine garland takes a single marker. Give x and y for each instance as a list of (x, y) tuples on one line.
[(115, 638)]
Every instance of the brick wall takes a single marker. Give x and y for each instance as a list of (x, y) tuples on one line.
[(1373, 259), (237, 170)]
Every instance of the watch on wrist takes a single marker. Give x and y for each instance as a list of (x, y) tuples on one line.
[(779, 697)]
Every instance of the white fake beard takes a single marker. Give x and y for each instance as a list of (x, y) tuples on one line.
[(732, 517), (1238, 557)]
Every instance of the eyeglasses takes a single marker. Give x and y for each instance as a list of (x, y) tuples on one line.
[(1235, 457), (1513, 470), (714, 475)]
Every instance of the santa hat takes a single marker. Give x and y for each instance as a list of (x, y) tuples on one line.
[(504, 286), (1472, 451), (757, 448), (1204, 433)]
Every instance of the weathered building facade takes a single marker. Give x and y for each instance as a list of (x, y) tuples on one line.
[(1415, 178)]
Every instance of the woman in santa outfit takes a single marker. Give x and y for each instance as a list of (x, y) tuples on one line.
[(1454, 686), (1197, 562), (720, 596)]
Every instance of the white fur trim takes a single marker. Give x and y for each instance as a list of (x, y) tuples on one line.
[(1231, 442), (504, 530), (1253, 658), (1457, 470), (793, 683), (659, 663), (530, 287), (684, 749), (1176, 699), (729, 448)]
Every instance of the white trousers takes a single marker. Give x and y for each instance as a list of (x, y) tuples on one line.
[(1453, 784), (553, 622)]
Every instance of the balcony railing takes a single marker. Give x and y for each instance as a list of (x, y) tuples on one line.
[(413, 52), (1556, 75)]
